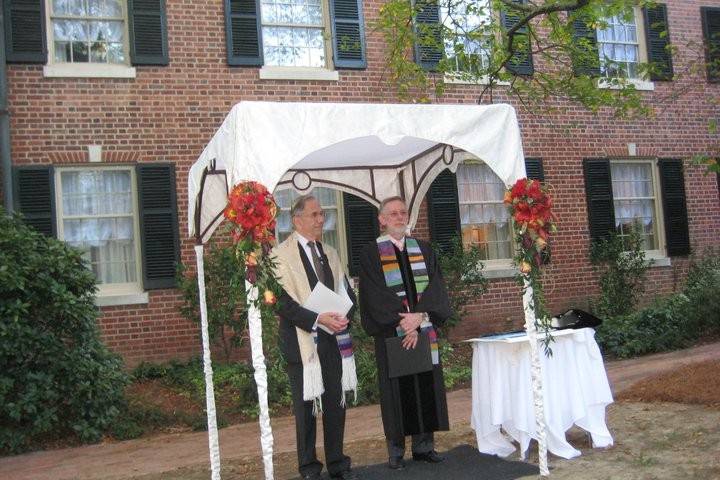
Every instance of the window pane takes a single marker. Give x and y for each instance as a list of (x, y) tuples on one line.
[(99, 218), (618, 47), (104, 8), (68, 7), (484, 218), (467, 42)]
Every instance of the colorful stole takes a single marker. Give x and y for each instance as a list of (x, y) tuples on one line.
[(393, 279)]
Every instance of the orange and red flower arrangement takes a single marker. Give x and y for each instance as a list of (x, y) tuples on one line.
[(251, 211)]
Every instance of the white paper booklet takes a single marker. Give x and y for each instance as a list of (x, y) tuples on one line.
[(322, 300)]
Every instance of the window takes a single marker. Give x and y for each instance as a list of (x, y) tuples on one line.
[(292, 32), (468, 21), (88, 31), (484, 218), (97, 213), (619, 47), (331, 203), (635, 201)]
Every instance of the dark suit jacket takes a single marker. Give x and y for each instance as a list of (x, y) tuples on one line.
[(292, 314)]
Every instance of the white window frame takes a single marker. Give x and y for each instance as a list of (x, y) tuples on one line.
[(324, 73), (640, 83), (117, 293), (496, 268), (55, 69), (658, 255), (341, 225)]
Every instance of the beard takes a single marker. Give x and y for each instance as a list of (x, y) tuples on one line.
[(396, 231)]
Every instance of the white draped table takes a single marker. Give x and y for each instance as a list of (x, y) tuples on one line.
[(575, 390)]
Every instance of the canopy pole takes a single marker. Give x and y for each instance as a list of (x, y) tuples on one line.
[(258, 361), (207, 367), (536, 375)]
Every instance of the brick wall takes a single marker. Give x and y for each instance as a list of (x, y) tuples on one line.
[(169, 113)]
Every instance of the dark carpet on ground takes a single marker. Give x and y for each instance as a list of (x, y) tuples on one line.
[(463, 462)]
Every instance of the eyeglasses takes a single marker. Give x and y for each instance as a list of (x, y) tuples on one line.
[(318, 214)]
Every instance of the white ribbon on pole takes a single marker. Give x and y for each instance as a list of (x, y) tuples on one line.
[(258, 361), (536, 375), (207, 367)]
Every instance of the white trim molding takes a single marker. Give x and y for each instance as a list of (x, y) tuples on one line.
[(125, 299), (298, 73), (88, 70)]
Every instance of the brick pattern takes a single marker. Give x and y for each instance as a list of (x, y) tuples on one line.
[(169, 114)]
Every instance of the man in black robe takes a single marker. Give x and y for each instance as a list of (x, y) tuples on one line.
[(414, 404)]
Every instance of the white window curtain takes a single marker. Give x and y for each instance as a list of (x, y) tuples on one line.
[(634, 200), (98, 217), (618, 47), (328, 199), (484, 218)]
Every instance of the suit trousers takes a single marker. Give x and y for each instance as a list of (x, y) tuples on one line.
[(421, 443), (333, 414)]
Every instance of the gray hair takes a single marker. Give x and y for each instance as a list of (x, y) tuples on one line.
[(299, 206), (396, 198)]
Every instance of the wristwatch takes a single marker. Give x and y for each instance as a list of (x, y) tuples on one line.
[(425, 317)]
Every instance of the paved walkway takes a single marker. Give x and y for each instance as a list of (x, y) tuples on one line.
[(165, 453)]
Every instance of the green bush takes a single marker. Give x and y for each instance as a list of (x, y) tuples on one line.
[(622, 267), (701, 288), (657, 328), (57, 378)]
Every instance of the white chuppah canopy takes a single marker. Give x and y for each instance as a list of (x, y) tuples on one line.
[(370, 150)]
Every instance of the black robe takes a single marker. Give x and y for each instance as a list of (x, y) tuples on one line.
[(415, 403)]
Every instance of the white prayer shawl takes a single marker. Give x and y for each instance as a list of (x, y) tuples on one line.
[(292, 277)]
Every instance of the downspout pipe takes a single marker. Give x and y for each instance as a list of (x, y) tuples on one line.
[(5, 159)]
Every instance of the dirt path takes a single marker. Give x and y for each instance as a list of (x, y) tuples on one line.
[(184, 455)]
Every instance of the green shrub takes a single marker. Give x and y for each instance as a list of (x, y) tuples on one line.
[(462, 271), (701, 288), (622, 267), (224, 296), (657, 328), (57, 378)]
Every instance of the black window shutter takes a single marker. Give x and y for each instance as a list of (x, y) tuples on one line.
[(348, 31), (672, 181), (34, 192), (24, 23), (361, 225), (534, 169), (711, 30), (586, 62), (444, 210), (243, 35), (148, 32), (599, 196), (158, 224), (428, 29), (657, 37), (521, 62)]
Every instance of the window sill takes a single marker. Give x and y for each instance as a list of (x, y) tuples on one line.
[(126, 299), (298, 73), (500, 271), (660, 261), (458, 80), (88, 70), (642, 85)]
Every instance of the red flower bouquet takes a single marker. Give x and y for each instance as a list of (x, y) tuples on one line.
[(530, 206), (251, 211)]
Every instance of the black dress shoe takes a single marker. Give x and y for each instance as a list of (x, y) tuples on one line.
[(346, 475), (430, 457), (396, 463)]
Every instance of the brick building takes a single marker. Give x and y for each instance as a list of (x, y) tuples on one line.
[(111, 101)]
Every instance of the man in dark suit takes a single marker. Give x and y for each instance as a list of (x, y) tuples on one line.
[(314, 345)]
